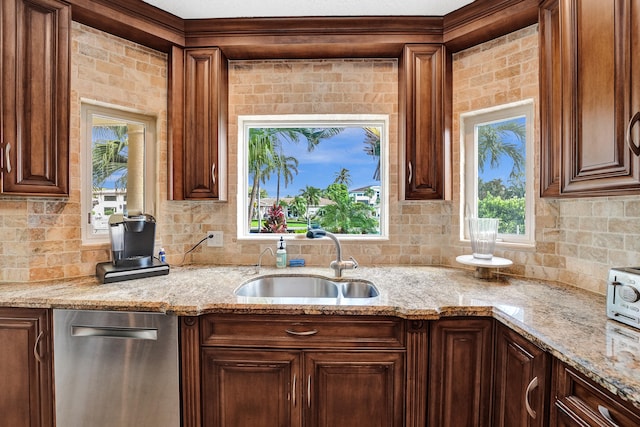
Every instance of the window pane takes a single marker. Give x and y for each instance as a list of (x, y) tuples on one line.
[(501, 173), (498, 170), (116, 163), (306, 174)]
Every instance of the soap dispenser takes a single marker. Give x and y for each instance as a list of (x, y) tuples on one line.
[(281, 254)]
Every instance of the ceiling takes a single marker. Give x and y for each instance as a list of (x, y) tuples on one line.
[(202, 9)]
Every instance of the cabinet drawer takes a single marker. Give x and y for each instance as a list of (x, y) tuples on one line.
[(301, 331), (586, 403)]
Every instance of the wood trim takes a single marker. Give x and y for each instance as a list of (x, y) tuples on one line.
[(190, 371), (306, 37), (484, 20), (417, 373), (550, 111), (132, 20), (313, 37), (175, 132)]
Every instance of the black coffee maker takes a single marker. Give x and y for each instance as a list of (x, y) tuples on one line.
[(132, 242)]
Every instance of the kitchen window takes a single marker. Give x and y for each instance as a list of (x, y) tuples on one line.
[(298, 172), (117, 167), (497, 170)]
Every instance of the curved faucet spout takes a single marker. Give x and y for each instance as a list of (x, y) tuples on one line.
[(338, 264)]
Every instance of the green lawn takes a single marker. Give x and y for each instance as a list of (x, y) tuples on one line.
[(299, 226)]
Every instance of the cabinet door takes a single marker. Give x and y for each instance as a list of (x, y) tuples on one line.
[(36, 36), (581, 402), (589, 94), (198, 115), (521, 378), (354, 388), (25, 368), (425, 117), (460, 372), (250, 388)]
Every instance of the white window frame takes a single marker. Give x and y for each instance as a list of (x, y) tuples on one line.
[(311, 121), (88, 109), (469, 166)]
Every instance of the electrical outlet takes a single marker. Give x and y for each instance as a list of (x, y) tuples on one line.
[(216, 240)]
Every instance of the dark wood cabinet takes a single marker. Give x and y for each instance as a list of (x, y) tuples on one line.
[(25, 368), (425, 120), (579, 401), (198, 120), (590, 93), (35, 93), (357, 388), (521, 381), (301, 370), (257, 388), (460, 372)]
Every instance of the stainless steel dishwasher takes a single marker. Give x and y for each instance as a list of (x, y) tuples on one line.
[(116, 369)]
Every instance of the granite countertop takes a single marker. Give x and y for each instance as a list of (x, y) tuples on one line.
[(568, 322)]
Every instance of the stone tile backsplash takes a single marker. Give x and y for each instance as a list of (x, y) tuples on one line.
[(577, 241)]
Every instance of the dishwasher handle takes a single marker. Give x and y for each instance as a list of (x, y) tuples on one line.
[(115, 332)]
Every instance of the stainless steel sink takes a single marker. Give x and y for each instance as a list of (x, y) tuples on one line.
[(359, 289), (305, 289), (289, 287)]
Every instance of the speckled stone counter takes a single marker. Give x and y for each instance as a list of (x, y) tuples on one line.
[(569, 323)]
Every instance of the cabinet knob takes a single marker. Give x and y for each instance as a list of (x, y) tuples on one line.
[(632, 145)]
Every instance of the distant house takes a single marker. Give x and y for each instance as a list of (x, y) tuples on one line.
[(106, 202), (373, 200), (358, 195)]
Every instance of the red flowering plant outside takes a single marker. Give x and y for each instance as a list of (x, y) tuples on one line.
[(275, 222)]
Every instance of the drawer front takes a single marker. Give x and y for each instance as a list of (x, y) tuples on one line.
[(302, 331), (589, 404)]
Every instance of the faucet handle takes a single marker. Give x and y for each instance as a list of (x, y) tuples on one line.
[(355, 263)]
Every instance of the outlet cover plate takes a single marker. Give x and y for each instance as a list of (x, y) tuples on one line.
[(216, 242)]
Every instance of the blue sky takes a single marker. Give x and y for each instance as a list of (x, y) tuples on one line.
[(319, 167), (505, 162)]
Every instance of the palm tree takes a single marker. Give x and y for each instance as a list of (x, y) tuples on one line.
[(298, 205), (372, 147), (346, 216), (312, 196), (265, 145), (285, 167), (261, 149), (314, 136), (343, 177), (109, 154), (492, 145)]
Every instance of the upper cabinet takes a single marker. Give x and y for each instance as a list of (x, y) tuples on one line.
[(198, 119), (35, 70), (589, 94), (425, 120)]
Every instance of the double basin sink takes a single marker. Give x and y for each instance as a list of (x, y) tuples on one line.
[(306, 289)]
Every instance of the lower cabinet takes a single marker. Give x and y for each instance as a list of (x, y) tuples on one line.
[(578, 401), (311, 371), (25, 368), (521, 381), (460, 362), (369, 371)]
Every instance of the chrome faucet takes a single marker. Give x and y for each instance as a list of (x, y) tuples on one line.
[(338, 264), (267, 249)]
